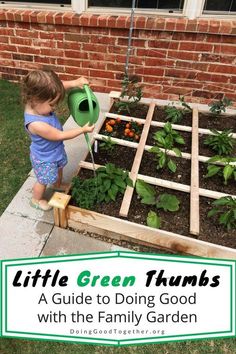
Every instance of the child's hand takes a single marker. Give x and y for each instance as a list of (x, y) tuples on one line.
[(80, 82), (88, 128)]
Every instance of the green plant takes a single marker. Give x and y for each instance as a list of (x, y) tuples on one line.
[(218, 107), (132, 89), (165, 140), (84, 192), (227, 169), (173, 114), (112, 180), (148, 195), (107, 145), (108, 183), (153, 220), (221, 142), (227, 207), (187, 108), (169, 134)]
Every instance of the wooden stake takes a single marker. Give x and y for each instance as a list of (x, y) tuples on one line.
[(59, 201), (194, 192), (137, 161)]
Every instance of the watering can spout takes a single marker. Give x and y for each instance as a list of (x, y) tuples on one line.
[(84, 107)]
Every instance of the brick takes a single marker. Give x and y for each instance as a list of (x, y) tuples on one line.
[(192, 25), (103, 74), (2, 15), (71, 53), (43, 59), (52, 52), (114, 83), (94, 47), (203, 47), (176, 90), (158, 62), (28, 50), (160, 44), (187, 46), (22, 57), (69, 62), (180, 73), (115, 67), (67, 18), (203, 26), (170, 24), (121, 22), (58, 19), (149, 71), (6, 32), (207, 94), (69, 45), (140, 22), (103, 40), (50, 18), (6, 55), (183, 55), (102, 21), (233, 79), (228, 49), (160, 24), (111, 21), (7, 47), (204, 77), (181, 24), (152, 52), (214, 26), (119, 32), (76, 37), (93, 65), (150, 23), (225, 69), (21, 41)]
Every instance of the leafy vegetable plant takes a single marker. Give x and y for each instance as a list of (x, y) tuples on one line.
[(221, 142), (175, 115), (226, 207), (227, 169), (220, 106), (165, 139), (85, 192), (110, 181), (132, 89), (107, 145), (167, 202)]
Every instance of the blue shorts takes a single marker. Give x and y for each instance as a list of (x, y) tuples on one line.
[(47, 172)]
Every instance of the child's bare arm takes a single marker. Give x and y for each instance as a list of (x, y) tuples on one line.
[(48, 132), (80, 82)]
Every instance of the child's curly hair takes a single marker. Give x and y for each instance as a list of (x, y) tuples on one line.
[(41, 86)]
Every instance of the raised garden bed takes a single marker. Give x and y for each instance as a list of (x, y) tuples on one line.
[(187, 231)]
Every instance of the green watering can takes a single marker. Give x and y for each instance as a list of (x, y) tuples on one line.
[(84, 108)]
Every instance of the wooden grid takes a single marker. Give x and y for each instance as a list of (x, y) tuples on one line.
[(178, 242)]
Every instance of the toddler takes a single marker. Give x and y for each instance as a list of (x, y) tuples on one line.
[(42, 91)]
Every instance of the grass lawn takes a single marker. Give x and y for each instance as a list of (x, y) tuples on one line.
[(15, 166)]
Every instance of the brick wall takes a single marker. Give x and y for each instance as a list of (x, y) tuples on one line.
[(173, 56)]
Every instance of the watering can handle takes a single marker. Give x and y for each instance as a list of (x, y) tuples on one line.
[(90, 102)]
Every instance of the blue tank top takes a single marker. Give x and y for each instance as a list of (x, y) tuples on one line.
[(41, 148)]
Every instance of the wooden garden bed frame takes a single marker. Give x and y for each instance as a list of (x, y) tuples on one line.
[(66, 215)]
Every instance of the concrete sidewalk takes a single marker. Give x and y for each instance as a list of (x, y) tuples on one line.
[(27, 232)]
